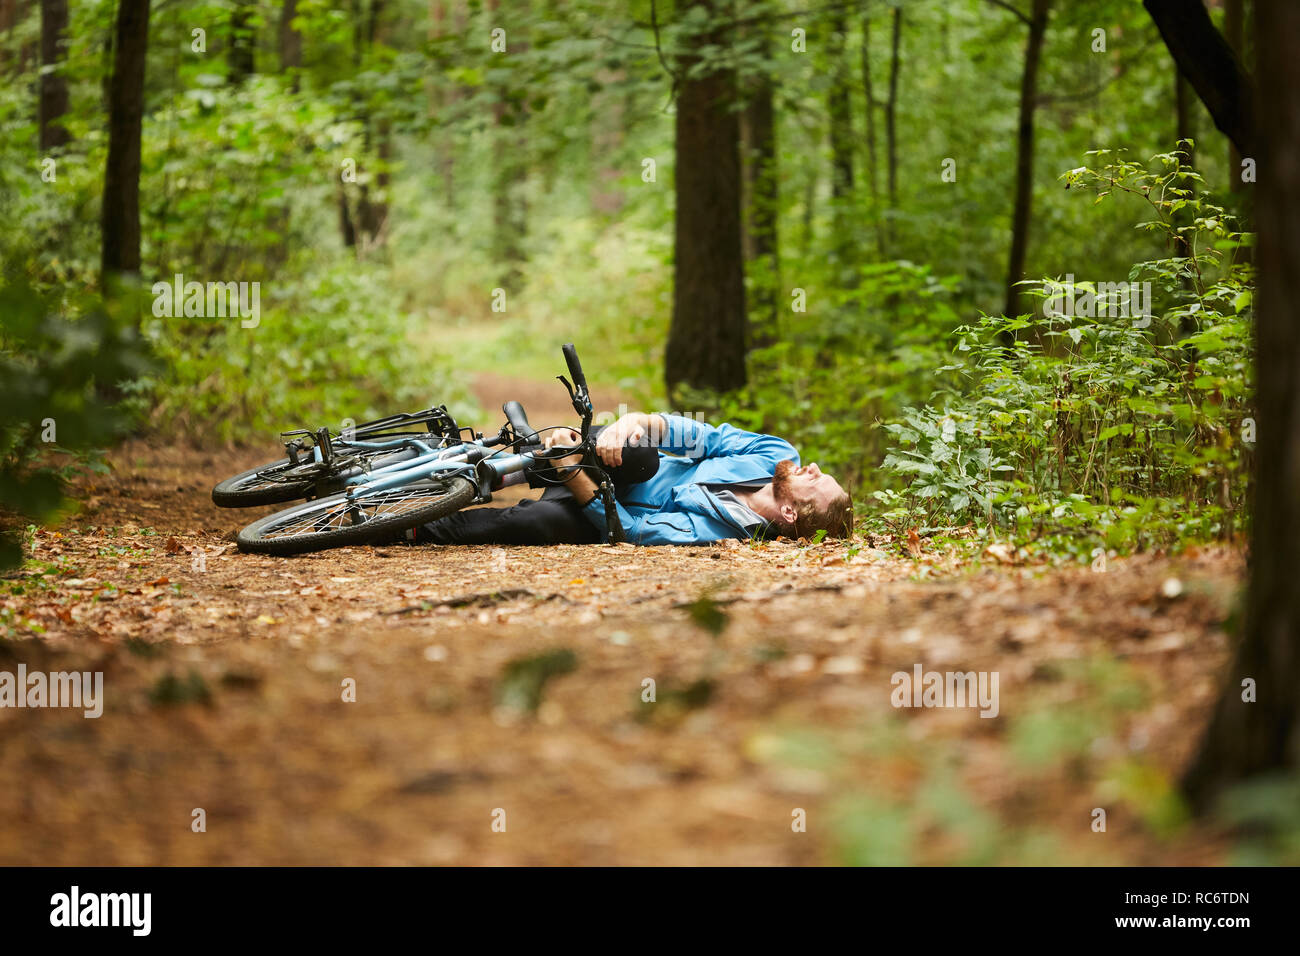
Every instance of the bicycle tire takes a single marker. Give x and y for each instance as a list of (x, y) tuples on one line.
[(234, 492), (442, 501)]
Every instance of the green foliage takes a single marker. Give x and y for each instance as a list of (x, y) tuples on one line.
[(852, 359), (64, 369), (170, 690), (328, 346), (1105, 430), (523, 680), (1266, 813)]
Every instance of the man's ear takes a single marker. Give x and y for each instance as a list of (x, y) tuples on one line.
[(788, 513)]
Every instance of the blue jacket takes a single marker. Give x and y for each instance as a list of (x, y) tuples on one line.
[(674, 507)]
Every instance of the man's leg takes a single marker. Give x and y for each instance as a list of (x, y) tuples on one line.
[(553, 519)]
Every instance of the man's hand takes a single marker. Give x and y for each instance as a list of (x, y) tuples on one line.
[(563, 436), (579, 483), (631, 429)]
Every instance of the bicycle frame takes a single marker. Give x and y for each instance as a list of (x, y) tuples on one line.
[(471, 459)]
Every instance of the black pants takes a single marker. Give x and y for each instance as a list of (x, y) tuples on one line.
[(555, 518)]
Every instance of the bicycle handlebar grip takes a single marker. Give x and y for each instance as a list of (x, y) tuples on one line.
[(519, 421), (575, 367)]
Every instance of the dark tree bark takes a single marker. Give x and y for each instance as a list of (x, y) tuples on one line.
[(1245, 739), (346, 229), (1204, 57), (239, 57), (758, 134), (8, 14), (891, 107), (840, 116), (707, 337), (1233, 34), (873, 157), (53, 84), (121, 207), (1183, 116), (1022, 212), (290, 40), (372, 213), (840, 108)]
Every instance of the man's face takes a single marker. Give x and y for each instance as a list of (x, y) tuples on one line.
[(806, 484)]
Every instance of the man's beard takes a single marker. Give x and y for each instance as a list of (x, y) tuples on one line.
[(782, 481)]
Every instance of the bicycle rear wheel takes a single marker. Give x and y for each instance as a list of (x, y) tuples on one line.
[(279, 481), (366, 518)]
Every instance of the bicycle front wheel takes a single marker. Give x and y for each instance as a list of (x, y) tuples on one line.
[(366, 518)]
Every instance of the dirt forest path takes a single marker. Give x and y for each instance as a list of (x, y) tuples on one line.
[(499, 713)]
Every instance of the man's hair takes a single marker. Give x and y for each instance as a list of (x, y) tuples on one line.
[(836, 519)]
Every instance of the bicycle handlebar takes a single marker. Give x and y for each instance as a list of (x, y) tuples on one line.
[(575, 367)]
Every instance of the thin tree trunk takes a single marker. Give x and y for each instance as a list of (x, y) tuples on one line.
[(707, 336), (873, 159), (346, 229), (891, 115), (290, 41), (1020, 217), (1183, 115), (372, 213), (53, 84), (841, 114), (8, 14), (1245, 739), (121, 206), (758, 129), (239, 57), (1233, 33)]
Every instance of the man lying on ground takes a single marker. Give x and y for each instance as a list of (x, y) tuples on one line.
[(713, 482)]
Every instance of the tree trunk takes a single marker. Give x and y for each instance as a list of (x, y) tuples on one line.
[(707, 336), (346, 229), (1020, 217), (891, 115), (239, 58), (121, 206), (758, 129), (1183, 116), (840, 109), (290, 41), (873, 159), (1204, 57), (1233, 34), (1245, 739), (8, 14), (53, 84), (373, 212)]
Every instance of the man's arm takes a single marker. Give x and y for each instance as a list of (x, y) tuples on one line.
[(679, 435)]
